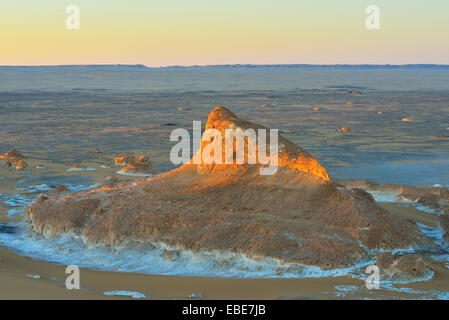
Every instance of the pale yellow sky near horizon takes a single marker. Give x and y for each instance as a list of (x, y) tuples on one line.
[(200, 32)]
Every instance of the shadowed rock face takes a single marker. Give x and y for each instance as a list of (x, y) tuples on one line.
[(21, 165), (14, 157), (296, 215), (436, 198), (11, 154), (124, 159)]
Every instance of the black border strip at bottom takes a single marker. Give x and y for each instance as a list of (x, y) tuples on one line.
[(218, 309)]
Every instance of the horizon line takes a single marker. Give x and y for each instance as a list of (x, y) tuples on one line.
[(230, 65)]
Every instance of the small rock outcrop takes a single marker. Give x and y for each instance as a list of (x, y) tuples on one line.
[(289, 154), (403, 268), (140, 168), (21, 165), (139, 165), (344, 130), (436, 198), (129, 158)]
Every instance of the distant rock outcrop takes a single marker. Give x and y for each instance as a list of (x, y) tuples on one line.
[(14, 158), (11, 154), (129, 158), (289, 154), (124, 159), (139, 165), (78, 166), (21, 165), (296, 215), (344, 129), (141, 159)]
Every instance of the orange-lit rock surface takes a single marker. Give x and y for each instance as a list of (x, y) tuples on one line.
[(344, 129), (14, 157), (402, 267), (11, 154), (141, 159), (124, 159), (78, 166), (436, 198), (289, 154), (127, 159), (21, 165), (297, 215)]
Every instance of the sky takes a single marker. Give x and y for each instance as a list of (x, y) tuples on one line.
[(204, 32)]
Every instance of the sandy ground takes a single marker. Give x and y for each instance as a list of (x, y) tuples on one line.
[(17, 283)]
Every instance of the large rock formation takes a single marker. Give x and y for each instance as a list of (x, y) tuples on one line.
[(139, 165), (297, 215), (436, 198)]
